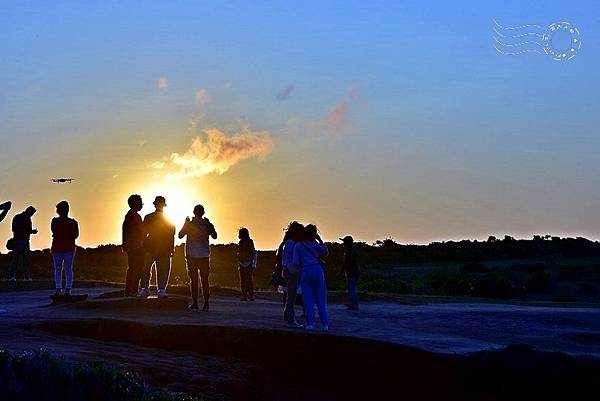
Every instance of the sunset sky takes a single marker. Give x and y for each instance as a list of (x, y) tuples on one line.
[(376, 119)]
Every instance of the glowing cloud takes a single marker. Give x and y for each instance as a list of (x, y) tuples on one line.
[(216, 153)]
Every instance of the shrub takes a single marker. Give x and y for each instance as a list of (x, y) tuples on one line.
[(41, 376), (567, 273), (475, 267), (528, 267), (539, 281), (450, 283), (497, 286)]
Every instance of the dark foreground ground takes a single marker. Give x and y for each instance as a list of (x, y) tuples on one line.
[(241, 351)]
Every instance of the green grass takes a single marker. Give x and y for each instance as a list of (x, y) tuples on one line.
[(42, 376)]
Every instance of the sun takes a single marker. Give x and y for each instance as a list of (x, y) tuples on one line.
[(180, 202)]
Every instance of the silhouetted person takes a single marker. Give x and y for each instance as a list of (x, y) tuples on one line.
[(291, 272), (246, 264), (352, 270), (159, 245), (65, 231), (307, 258), (22, 231), (4, 209), (133, 245), (197, 254)]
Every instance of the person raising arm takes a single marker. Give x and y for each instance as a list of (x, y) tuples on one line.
[(4, 209)]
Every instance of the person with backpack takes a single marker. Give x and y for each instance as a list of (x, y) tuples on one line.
[(65, 231), (246, 264), (307, 258)]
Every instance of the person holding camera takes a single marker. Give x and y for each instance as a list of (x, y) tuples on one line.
[(21, 248), (197, 254)]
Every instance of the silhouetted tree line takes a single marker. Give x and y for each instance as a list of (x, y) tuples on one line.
[(107, 262), (540, 247)]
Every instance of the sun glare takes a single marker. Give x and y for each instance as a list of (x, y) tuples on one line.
[(180, 203)]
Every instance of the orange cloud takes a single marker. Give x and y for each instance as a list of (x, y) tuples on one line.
[(216, 153), (336, 119)]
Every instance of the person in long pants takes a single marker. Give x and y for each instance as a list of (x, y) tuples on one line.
[(314, 292), (133, 245), (197, 254), (246, 264), (307, 256), (160, 246), (201, 266), (352, 271), (65, 231), (22, 231), (63, 262), (291, 272)]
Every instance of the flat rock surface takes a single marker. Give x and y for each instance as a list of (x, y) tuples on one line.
[(444, 328)]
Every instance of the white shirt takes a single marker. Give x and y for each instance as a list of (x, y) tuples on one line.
[(198, 232)]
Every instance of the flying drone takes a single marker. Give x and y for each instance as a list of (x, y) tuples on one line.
[(62, 180)]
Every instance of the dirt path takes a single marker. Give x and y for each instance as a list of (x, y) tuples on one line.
[(445, 328)]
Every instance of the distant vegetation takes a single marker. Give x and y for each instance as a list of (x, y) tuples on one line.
[(41, 376), (545, 267)]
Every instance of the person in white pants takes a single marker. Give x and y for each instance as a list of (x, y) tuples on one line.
[(65, 231), (307, 258)]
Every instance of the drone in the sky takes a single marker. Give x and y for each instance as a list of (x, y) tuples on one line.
[(62, 180)]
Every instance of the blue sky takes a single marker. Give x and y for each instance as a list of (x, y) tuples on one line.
[(438, 135)]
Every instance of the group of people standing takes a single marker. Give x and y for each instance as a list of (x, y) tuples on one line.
[(150, 243), (65, 231), (299, 258)]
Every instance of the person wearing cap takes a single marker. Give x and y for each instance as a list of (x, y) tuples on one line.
[(65, 231), (133, 245), (21, 247), (197, 254), (4, 209), (159, 245), (351, 269)]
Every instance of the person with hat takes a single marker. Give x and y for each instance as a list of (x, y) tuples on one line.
[(159, 245), (351, 269)]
